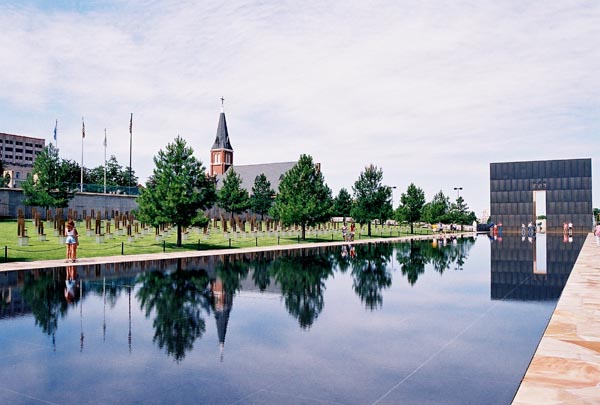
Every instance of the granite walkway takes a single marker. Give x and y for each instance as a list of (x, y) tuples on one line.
[(566, 366), (40, 264)]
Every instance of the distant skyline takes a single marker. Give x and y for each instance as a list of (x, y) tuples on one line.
[(431, 92)]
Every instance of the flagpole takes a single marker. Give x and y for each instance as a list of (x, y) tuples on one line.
[(104, 160), (82, 138), (130, 143), (55, 137)]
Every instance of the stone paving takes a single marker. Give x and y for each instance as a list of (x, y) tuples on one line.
[(566, 366)]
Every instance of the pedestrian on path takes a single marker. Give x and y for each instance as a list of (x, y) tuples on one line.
[(597, 234), (72, 241)]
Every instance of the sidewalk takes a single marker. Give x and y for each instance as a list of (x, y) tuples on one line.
[(40, 264), (566, 365)]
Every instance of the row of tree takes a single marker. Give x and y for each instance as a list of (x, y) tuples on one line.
[(179, 191), (53, 179)]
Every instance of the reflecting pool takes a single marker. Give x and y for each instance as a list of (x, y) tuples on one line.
[(448, 321)]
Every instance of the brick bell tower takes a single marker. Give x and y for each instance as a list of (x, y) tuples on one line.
[(221, 153)]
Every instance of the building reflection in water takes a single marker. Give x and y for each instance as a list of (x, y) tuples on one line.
[(222, 303), (532, 269)]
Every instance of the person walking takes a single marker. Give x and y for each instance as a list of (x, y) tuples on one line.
[(72, 241), (597, 234), (570, 228)]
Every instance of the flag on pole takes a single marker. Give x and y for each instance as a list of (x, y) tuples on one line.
[(130, 143), (82, 128), (55, 126)]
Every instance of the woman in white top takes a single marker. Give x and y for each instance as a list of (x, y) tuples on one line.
[(72, 241)]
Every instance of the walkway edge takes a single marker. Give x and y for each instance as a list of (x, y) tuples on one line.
[(38, 264), (566, 365)]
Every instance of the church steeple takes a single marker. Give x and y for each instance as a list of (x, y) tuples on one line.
[(221, 153)]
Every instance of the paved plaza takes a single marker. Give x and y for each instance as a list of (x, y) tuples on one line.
[(566, 365)]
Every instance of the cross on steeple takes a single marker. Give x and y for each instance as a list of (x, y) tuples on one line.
[(221, 153)]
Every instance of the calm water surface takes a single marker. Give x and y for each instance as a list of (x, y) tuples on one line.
[(421, 322)]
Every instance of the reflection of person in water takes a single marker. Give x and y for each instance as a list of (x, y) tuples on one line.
[(344, 251), (352, 252), (70, 284)]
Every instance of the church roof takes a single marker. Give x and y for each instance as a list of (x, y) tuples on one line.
[(222, 139), (273, 171)]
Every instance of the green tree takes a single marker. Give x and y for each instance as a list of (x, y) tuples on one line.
[(46, 187), (180, 190), (4, 179), (411, 205), (303, 198), (437, 209), (232, 197), (460, 214), (342, 203), (262, 196), (71, 173), (116, 175), (372, 200)]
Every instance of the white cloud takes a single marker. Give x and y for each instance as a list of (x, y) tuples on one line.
[(431, 92)]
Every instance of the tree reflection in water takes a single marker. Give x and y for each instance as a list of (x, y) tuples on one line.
[(302, 280), (177, 299), (45, 294), (411, 260), (231, 271), (111, 289), (441, 254), (370, 273), (260, 274), (342, 261)]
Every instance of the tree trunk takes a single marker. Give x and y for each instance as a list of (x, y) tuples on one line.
[(178, 235), (303, 231), (411, 228), (369, 228)]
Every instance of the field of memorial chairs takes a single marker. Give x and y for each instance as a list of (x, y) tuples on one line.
[(30, 240)]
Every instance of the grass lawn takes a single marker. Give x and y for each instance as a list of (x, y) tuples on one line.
[(51, 248)]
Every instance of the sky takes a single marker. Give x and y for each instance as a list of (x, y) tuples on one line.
[(431, 92)]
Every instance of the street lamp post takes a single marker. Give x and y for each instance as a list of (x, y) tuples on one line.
[(393, 188), (458, 191), (457, 196)]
